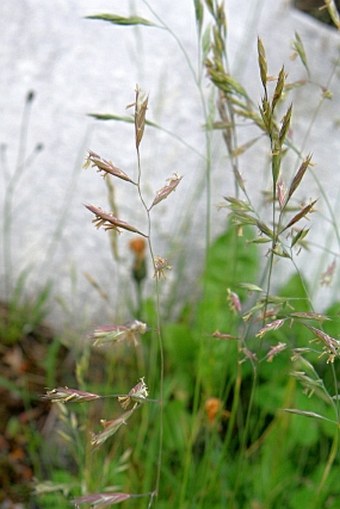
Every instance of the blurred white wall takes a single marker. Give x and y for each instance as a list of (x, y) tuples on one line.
[(76, 66)]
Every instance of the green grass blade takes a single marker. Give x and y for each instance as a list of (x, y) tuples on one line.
[(122, 20)]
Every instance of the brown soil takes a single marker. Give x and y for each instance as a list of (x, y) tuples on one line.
[(22, 412)]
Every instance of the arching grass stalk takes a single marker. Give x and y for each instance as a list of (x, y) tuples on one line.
[(326, 94), (141, 103), (197, 78), (334, 450)]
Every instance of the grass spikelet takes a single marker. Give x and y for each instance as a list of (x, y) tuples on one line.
[(164, 192), (285, 124), (109, 222), (300, 50), (299, 176), (105, 167), (278, 89), (262, 64), (303, 213), (141, 106)]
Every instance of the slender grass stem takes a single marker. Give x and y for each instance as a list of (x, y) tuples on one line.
[(208, 167), (336, 395), (333, 454), (245, 433), (64, 214), (159, 332), (174, 35), (14, 179), (304, 142)]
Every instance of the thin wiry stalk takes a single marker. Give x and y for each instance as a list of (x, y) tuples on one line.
[(175, 36), (333, 219), (269, 280), (64, 214), (159, 332), (231, 142), (197, 77), (276, 230), (245, 433), (20, 166), (129, 120), (304, 141), (223, 453), (333, 455), (208, 167), (336, 254), (302, 280), (336, 395)]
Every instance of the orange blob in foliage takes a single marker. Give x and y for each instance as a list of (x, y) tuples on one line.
[(137, 246), (214, 410), (212, 407)]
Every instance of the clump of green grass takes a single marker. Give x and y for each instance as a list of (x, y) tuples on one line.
[(244, 382)]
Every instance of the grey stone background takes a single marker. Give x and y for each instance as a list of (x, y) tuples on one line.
[(76, 66)]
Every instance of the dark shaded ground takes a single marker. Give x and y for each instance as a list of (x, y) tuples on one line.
[(23, 377), (316, 8)]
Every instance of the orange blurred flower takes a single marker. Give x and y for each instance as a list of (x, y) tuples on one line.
[(137, 246), (214, 408)]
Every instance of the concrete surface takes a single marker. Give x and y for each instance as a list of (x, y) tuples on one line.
[(76, 66)]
